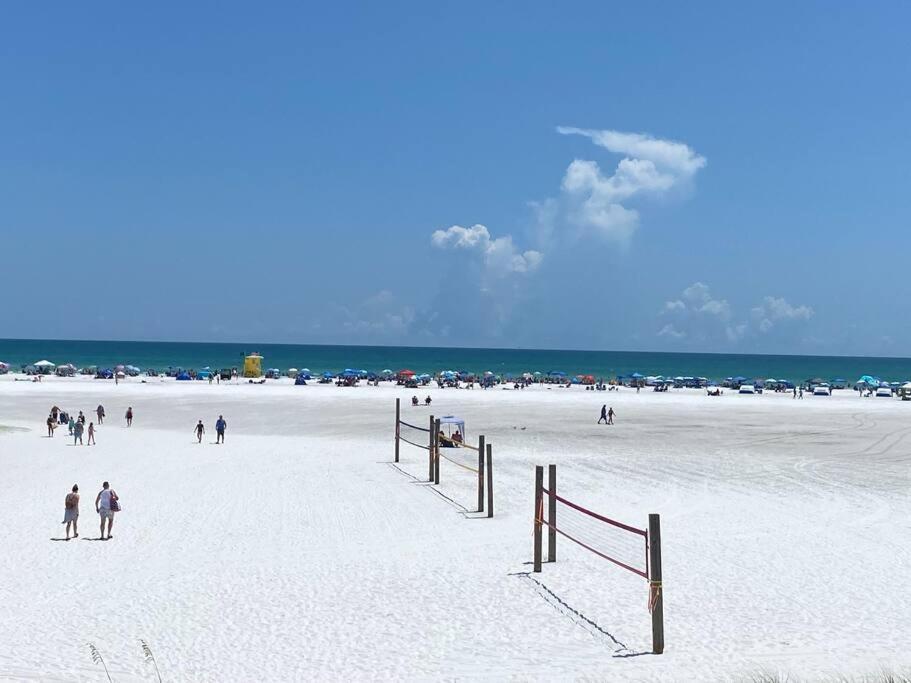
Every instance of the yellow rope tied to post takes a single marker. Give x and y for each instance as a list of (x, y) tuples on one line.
[(654, 588)]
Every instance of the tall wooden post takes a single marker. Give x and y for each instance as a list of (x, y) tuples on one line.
[(481, 451), (539, 484), (656, 591), (489, 480), (430, 446), (398, 415), (436, 451), (552, 514)]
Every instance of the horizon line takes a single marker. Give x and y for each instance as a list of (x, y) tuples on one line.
[(456, 347)]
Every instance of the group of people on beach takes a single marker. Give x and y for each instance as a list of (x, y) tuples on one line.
[(107, 502), (76, 425), (220, 426)]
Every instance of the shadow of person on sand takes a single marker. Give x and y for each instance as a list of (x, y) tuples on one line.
[(94, 539), (60, 539)]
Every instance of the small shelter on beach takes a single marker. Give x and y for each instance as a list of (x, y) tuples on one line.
[(44, 367), (4, 368), (68, 370), (253, 365), (451, 425)]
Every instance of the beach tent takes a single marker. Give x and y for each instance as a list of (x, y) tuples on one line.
[(183, 376), (253, 365), (104, 373), (292, 372), (450, 423), (301, 379), (67, 370), (4, 368), (44, 367)]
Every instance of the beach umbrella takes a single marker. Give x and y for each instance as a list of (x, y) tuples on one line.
[(306, 370), (328, 375), (406, 373), (44, 364), (636, 375)]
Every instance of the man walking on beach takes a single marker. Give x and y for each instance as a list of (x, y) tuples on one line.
[(105, 503), (200, 430), (603, 414), (129, 416), (610, 416), (50, 426), (77, 434), (71, 512), (220, 426), (100, 412)]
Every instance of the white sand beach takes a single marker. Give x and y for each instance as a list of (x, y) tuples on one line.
[(296, 550)]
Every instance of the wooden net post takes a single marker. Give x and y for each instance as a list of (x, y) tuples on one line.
[(539, 502), (430, 447), (481, 442), (552, 514), (398, 415), (655, 589), (489, 480), (436, 451)]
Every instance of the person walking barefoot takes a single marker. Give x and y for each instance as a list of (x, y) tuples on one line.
[(91, 441), (50, 426), (100, 412), (200, 430), (77, 434), (129, 416), (610, 416), (71, 512), (603, 414), (220, 427), (105, 504)]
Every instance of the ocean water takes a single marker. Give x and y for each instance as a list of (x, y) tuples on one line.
[(161, 355)]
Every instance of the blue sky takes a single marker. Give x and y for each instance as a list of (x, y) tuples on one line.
[(658, 176)]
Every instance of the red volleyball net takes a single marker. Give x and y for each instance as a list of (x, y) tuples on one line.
[(618, 543), (635, 550)]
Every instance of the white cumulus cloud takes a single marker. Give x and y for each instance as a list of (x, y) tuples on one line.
[(650, 167), (700, 316), (773, 310), (500, 255)]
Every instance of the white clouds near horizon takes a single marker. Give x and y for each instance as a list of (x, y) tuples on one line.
[(701, 316)]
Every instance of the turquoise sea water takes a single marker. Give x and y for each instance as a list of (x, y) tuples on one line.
[(161, 355)]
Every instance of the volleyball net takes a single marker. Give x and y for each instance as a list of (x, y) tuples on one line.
[(621, 545), (618, 543), (465, 458)]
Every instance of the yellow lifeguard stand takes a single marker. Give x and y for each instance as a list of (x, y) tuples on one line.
[(253, 365)]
